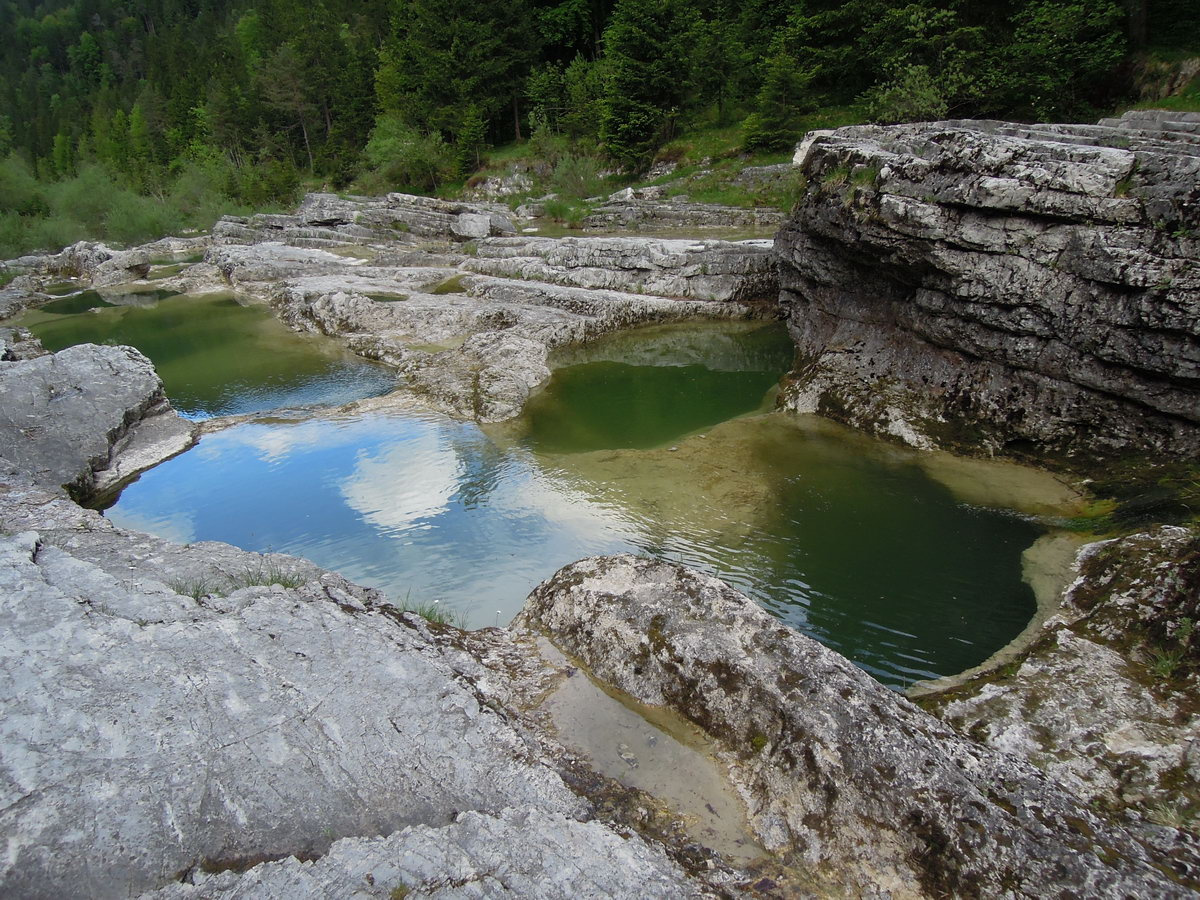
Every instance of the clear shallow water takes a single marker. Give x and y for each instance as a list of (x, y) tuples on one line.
[(844, 538), (215, 356)]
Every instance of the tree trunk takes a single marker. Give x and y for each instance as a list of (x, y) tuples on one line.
[(307, 146), (516, 119), (1136, 10)]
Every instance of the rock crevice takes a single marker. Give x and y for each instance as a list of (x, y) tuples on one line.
[(989, 287)]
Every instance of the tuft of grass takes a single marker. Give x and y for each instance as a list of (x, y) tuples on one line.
[(1163, 662), (400, 892), (433, 611), (193, 587), (567, 212), (264, 574), (1171, 815)]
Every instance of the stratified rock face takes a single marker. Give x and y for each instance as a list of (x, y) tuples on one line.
[(68, 416), (851, 780), (741, 271), (648, 213), (996, 288), (329, 220), (1105, 700)]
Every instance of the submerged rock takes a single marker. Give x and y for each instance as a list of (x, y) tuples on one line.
[(1000, 288), (842, 776)]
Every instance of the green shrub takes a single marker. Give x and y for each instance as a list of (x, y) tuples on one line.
[(912, 96), (405, 158), (577, 176)]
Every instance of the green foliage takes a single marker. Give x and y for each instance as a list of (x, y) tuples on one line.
[(1061, 51), (913, 96), (404, 158), (566, 212), (577, 176), (647, 77), (784, 97)]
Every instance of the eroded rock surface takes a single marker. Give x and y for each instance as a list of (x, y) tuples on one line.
[(1000, 288), (329, 220), (1105, 700), (742, 271), (842, 775), (66, 418), (648, 213)]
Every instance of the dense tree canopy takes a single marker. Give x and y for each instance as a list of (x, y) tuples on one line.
[(252, 95)]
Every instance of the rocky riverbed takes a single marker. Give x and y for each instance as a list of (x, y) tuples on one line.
[(198, 720)]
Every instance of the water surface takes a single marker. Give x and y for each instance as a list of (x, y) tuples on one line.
[(216, 356), (844, 538)]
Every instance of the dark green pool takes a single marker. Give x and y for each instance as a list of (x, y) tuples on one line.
[(215, 356), (844, 538)]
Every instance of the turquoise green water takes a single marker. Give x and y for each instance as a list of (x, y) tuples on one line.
[(846, 539), (647, 396), (215, 356)]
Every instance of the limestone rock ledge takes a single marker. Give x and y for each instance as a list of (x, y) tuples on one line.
[(845, 778), (999, 288), (1105, 699), (472, 338), (170, 711), (86, 417)]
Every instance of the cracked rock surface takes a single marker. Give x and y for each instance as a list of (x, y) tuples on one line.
[(841, 775), (1105, 700), (1001, 288), (65, 418)]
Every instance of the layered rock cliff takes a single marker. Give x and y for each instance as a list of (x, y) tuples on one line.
[(999, 288)]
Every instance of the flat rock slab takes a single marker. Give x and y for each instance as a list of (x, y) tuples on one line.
[(251, 722), (844, 777), (62, 414), (740, 271)]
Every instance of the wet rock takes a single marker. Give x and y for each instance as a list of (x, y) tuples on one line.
[(68, 416), (844, 777), (1104, 700), (1000, 288), (741, 271)]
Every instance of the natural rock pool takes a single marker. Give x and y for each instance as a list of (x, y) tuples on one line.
[(216, 357), (657, 441)]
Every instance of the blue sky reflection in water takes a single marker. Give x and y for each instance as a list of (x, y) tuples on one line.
[(844, 538)]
